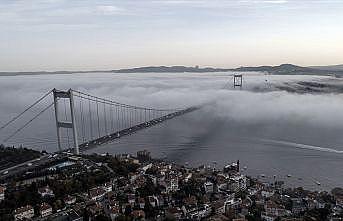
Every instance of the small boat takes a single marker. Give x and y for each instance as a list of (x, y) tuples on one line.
[(245, 167), (318, 183), (262, 175), (289, 175)]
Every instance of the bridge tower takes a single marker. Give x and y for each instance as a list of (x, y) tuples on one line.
[(237, 80), (63, 124)]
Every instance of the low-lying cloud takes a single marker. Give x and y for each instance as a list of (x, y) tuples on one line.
[(271, 108)]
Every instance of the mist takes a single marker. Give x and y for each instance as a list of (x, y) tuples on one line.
[(258, 104), (261, 125)]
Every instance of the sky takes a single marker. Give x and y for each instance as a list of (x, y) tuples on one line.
[(50, 35)]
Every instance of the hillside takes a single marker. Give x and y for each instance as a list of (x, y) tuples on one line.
[(172, 69), (280, 69), (290, 69), (338, 67)]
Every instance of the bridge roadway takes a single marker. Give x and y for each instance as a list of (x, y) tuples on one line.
[(45, 159), (133, 129)]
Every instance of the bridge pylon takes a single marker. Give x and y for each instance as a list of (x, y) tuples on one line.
[(65, 124), (237, 80)]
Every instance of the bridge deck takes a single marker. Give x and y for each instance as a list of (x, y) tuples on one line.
[(133, 129)]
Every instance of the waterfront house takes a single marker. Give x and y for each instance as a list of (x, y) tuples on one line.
[(274, 209), (298, 205), (267, 192)]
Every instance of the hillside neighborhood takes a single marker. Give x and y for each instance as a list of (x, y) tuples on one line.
[(126, 187)]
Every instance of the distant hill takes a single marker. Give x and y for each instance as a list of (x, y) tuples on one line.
[(150, 69), (172, 69), (290, 69), (280, 69), (338, 67)]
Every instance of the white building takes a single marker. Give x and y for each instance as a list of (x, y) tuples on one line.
[(25, 212), (107, 187), (267, 193), (2, 193), (237, 183), (46, 192), (45, 210), (152, 201), (208, 187), (69, 200), (173, 185)]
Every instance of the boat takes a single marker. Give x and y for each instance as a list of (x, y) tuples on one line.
[(289, 175), (318, 183)]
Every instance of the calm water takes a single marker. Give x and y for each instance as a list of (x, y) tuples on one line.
[(272, 132)]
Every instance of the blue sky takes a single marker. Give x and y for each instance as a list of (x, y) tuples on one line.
[(90, 34)]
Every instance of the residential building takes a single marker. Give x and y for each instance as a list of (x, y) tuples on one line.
[(208, 186), (2, 193), (97, 193), (45, 210), (46, 192), (25, 212)]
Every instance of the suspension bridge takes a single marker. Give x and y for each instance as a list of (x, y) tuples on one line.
[(82, 121)]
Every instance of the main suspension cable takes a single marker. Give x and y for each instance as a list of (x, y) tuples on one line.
[(27, 109), (27, 123)]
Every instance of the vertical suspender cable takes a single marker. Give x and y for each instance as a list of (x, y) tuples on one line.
[(66, 119), (144, 115), (128, 117), (123, 117), (97, 114), (116, 118), (111, 106), (82, 120), (90, 119), (105, 117), (119, 117)]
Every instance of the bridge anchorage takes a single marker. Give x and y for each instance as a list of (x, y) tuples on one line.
[(93, 121)]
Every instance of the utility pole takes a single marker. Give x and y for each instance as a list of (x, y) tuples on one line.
[(62, 124)]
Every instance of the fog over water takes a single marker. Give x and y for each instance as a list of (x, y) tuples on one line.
[(271, 131)]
